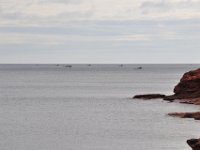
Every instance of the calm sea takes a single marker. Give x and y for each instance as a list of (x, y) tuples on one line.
[(83, 107)]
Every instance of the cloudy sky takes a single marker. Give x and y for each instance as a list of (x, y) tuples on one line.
[(99, 31)]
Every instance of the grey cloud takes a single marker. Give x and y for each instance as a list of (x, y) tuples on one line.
[(13, 15), (168, 5), (18, 16), (159, 5), (149, 6), (162, 29), (159, 45)]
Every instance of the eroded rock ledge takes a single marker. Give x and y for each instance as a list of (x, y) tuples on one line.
[(149, 96), (195, 115)]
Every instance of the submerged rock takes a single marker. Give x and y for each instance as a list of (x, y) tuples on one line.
[(195, 101), (195, 115), (194, 144), (149, 96)]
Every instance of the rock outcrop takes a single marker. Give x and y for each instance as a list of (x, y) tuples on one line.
[(188, 89), (194, 144)]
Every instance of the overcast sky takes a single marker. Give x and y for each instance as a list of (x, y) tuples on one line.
[(99, 31)]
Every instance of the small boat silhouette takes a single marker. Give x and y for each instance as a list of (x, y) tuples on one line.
[(139, 68), (68, 66)]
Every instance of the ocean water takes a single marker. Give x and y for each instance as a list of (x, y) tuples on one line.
[(49, 107)]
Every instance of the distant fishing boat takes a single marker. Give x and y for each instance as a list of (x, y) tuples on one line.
[(121, 65), (139, 68), (68, 66)]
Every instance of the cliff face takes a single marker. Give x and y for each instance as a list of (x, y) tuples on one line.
[(191, 75), (188, 89)]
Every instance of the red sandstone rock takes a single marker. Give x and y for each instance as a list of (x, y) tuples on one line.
[(191, 75), (188, 88)]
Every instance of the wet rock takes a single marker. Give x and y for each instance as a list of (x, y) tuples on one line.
[(195, 101), (149, 96), (195, 115)]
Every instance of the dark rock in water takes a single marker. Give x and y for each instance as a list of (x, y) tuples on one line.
[(149, 96), (195, 115), (170, 98), (194, 144)]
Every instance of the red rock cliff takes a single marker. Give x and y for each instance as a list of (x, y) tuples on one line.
[(188, 87)]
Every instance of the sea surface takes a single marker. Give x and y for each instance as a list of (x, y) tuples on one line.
[(90, 107)]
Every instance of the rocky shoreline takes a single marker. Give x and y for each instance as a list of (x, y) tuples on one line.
[(186, 91)]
